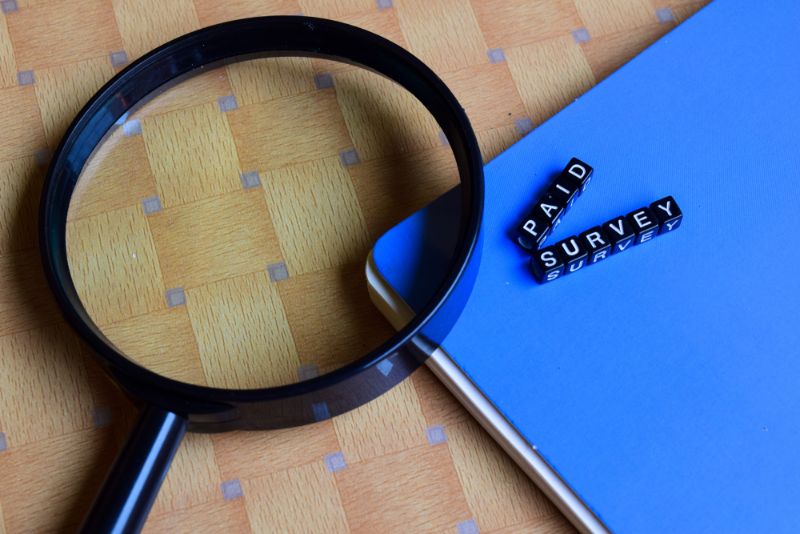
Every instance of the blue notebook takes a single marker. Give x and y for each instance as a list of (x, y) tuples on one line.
[(662, 384)]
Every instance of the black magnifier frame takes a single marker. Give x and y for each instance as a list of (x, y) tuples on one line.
[(172, 407)]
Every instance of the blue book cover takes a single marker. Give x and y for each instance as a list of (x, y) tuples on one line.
[(662, 384)]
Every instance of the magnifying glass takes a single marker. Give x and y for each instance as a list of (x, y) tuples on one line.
[(171, 247)]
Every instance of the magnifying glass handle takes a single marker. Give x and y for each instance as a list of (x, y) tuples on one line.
[(136, 476)]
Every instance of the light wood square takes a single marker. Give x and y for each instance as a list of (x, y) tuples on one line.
[(260, 80), (392, 188), (678, 3), (114, 265), (496, 140), (57, 33), (20, 122), (290, 130), (301, 500), (507, 23), (382, 22), (42, 368), (116, 176), (193, 477), (20, 188), (488, 95), (333, 9), (53, 481), (609, 52), (212, 239), (549, 75), (602, 17), (25, 300), (438, 405), (382, 117), (242, 333), (332, 318), (683, 9), (392, 422), (146, 24), (498, 492), (316, 216), (415, 490), (62, 91), (191, 154), (214, 11), (204, 87), (554, 523), (444, 34), (162, 341), (8, 66), (253, 454), (208, 518)]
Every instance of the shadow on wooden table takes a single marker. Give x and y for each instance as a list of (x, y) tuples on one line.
[(38, 309)]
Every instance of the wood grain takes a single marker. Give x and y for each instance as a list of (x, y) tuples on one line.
[(64, 89), (219, 236)]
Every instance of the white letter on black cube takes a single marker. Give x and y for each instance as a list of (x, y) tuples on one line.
[(597, 244), (547, 264), (532, 232), (573, 253), (668, 213), (645, 223), (620, 233), (580, 171)]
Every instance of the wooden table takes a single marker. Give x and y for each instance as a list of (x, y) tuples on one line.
[(512, 64)]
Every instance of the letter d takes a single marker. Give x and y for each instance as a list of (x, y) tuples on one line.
[(575, 169)]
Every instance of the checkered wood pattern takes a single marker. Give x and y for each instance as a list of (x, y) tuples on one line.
[(410, 461)]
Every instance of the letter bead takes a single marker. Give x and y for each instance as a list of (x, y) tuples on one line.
[(549, 211), (532, 232), (645, 223), (619, 231), (580, 171), (669, 214), (547, 264), (597, 244), (574, 254), (564, 190)]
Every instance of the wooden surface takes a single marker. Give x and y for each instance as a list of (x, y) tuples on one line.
[(336, 166)]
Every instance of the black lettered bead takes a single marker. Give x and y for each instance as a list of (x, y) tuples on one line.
[(620, 233), (580, 171), (547, 264), (532, 232), (597, 244), (563, 190), (669, 214), (548, 210), (574, 254), (645, 223)]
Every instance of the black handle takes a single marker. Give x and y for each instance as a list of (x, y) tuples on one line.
[(136, 476)]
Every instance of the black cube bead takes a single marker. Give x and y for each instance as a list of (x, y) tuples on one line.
[(532, 232), (548, 210), (645, 223), (597, 244), (547, 264), (669, 214), (619, 231), (563, 190), (580, 171), (574, 254)]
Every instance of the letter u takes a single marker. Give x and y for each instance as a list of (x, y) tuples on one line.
[(575, 247)]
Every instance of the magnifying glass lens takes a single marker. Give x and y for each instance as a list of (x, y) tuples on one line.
[(218, 234)]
